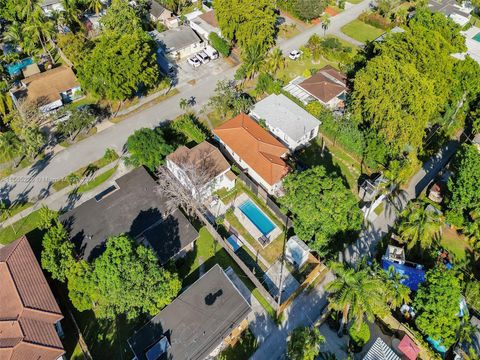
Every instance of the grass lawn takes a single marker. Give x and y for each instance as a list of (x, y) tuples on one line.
[(208, 252), (19, 228), (286, 31), (294, 68), (334, 159), (16, 208), (360, 31), (100, 179), (455, 244), (243, 349), (378, 210), (104, 161), (217, 119), (355, 1)]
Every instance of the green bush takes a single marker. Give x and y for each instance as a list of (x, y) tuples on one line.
[(359, 336), (219, 44), (187, 125), (267, 84), (375, 19)]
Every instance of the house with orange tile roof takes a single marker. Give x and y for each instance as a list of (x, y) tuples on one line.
[(29, 314), (255, 150)]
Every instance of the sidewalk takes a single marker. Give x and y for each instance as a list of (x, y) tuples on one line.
[(64, 200)]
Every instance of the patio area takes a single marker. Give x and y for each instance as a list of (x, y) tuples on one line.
[(272, 280)]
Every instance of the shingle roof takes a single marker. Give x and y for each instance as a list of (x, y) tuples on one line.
[(284, 114), (156, 9), (197, 321), (28, 308), (136, 208), (326, 84), (200, 156), (256, 146), (209, 18), (45, 88)]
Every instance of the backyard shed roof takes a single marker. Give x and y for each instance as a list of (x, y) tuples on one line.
[(282, 113), (326, 84), (408, 347), (196, 322), (176, 39), (156, 9), (209, 18), (28, 309), (380, 351), (256, 146), (45, 88), (135, 207)]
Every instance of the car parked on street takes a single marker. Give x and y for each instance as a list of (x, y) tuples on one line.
[(193, 61), (295, 54)]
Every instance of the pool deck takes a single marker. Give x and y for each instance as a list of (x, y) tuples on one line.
[(247, 224), (473, 46)]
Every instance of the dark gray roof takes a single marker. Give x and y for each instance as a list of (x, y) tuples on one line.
[(197, 321), (135, 208), (447, 7), (156, 9), (176, 39)]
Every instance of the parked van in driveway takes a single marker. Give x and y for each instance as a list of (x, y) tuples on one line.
[(211, 52)]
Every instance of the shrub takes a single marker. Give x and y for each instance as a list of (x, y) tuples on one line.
[(267, 84), (187, 125), (359, 335), (219, 44), (375, 20)]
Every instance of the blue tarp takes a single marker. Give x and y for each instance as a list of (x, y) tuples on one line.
[(16, 68), (414, 276)]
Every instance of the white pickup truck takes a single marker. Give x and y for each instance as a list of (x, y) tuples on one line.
[(211, 52)]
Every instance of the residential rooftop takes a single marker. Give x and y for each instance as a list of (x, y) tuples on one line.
[(176, 39), (135, 207), (326, 84), (256, 146), (28, 309), (282, 113), (195, 323)]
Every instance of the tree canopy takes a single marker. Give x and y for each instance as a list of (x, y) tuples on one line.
[(247, 22), (437, 305), (119, 64), (463, 187), (58, 251), (147, 147), (121, 17), (304, 343), (125, 279), (321, 205)]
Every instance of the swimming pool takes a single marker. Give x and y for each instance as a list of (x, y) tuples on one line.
[(477, 37), (257, 217)]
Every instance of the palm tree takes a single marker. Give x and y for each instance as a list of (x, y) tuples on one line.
[(275, 61), (5, 213), (42, 28), (253, 60), (10, 147), (183, 103), (325, 19), (95, 5), (396, 294), (356, 293), (70, 15), (27, 8), (419, 226), (6, 102)]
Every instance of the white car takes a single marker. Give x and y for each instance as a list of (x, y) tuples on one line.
[(194, 61), (203, 57), (294, 54)]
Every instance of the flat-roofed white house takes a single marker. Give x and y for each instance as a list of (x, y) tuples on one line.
[(291, 124), (179, 43), (49, 6), (203, 169)]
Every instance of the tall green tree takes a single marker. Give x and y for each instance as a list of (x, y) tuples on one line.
[(95, 5), (58, 252), (396, 294), (304, 343), (125, 279), (119, 64), (308, 10), (253, 60), (75, 47), (463, 187), (228, 98), (357, 294), (419, 226), (147, 147), (10, 147), (275, 61), (80, 120), (121, 18), (247, 22), (437, 305), (39, 27), (321, 206)]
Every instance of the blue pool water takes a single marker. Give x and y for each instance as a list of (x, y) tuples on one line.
[(477, 37), (257, 217), (414, 276), (17, 67)]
